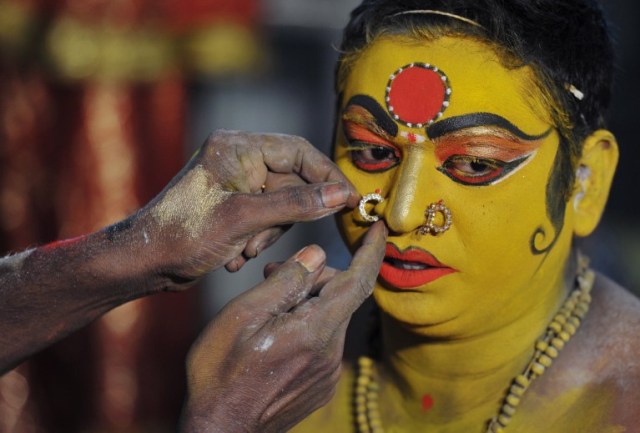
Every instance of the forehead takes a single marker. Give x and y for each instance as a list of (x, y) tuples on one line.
[(471, 70)]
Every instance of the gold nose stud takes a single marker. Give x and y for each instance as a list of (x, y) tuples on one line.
[(430, 227)]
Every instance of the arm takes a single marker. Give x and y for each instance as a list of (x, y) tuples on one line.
[(213, 213)]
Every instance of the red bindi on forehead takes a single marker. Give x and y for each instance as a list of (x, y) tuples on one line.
[(417, 94)]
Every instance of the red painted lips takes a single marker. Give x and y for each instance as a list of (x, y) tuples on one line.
[(410, 268)]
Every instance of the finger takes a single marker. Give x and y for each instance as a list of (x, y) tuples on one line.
[(291, 154), (277, 181), (263, 240), (327, 275), (236, 264), (348, 290), (258, 212), (290, 283), (270, 268)]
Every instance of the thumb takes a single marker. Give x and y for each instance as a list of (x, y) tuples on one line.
[(296, 204)]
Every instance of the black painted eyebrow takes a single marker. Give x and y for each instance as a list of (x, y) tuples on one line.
[(371, 105), (457, 123)]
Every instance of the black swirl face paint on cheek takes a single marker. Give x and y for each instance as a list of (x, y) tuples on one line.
[(555, 204)]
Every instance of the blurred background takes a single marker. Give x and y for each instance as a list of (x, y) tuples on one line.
[(102, 101)]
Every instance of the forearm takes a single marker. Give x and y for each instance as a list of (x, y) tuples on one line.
[(49, 292)]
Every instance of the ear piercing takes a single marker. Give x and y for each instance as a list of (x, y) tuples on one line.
[(583, 173), (430, 226), (373, 197)]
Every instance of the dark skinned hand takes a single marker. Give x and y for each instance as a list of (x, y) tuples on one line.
[(215, 212), (236, 197), (273, 355)]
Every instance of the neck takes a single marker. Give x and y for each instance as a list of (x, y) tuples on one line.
[(435, 380)]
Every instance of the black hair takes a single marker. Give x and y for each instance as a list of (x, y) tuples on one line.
[(565, 42)]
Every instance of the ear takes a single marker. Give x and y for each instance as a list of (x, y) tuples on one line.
[(593, 180)]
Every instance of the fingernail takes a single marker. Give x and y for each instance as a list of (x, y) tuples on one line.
[(309, 259), (334, 195)]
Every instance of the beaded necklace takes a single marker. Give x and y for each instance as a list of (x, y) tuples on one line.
[(562, 327)]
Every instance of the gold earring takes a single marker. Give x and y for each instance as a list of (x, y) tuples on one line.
[(373, 197), (430, 226)]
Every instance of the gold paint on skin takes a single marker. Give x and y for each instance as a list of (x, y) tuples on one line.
[(400, 217), (178, 207)]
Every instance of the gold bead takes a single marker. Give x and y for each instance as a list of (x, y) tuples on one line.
[(513, 400), (508, 409), (522, 380), (557, 343), (363, 380), (538, 368), (579, 313), (363, 361), (581, 310), (517, 390), (584, 297), (545, 360), (574, 321), (560, 318), (504, 419), (565, 336), (555, 326), (569, 328), (363, 428), (552, 352), (541, 345)]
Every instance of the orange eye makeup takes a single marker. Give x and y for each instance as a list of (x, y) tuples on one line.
[(370, 152), (471, 158)]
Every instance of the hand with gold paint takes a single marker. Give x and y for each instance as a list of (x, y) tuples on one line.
[(273, 355), (215, 212), (236, 197)]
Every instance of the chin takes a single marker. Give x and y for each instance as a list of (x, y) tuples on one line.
[(417, 312)]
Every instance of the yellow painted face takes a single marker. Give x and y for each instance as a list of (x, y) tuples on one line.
[(424, 121)]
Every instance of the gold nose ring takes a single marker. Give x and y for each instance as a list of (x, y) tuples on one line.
[(430, 226), (373, 197)]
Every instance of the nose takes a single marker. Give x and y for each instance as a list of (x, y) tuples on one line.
[(409, 194)]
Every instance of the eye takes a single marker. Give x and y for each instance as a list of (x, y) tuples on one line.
[(374, 158), (472, 170)]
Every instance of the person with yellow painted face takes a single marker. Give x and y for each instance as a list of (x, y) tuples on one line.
[(475, 130)]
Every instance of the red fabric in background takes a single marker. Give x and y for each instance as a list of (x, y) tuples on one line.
[(75, 156)]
